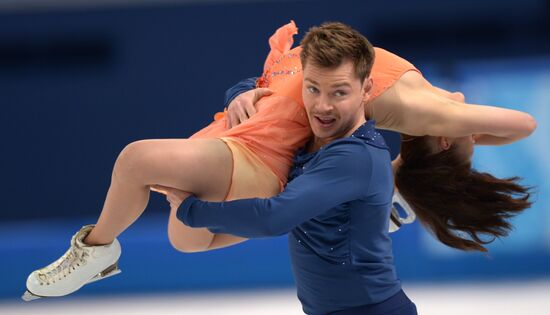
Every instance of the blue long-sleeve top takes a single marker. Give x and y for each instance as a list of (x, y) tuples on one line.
[(336, 207)]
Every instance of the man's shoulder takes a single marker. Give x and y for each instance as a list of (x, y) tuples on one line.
[(356, 152), (358, 143), (362, 147), (349, 148), (368, 133)]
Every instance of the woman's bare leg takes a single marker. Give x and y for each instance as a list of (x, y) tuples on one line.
[(200, 166)]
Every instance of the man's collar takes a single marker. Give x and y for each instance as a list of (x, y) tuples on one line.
[(368, 133), (365, 132)]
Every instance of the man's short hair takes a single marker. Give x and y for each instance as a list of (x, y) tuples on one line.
[(332, 43)]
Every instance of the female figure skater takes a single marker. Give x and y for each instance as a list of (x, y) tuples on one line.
[(438, 131), (248, 160)]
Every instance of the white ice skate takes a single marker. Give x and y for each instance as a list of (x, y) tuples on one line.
[(399, 205), (80, 265)]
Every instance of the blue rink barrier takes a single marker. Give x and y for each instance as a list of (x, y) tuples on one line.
[(150, 264)]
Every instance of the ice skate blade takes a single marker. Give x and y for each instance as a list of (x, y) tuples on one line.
[(109, 272), (27, 296), (399, 201)]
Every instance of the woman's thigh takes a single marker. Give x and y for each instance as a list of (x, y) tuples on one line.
[(250, 178), (200, 166)]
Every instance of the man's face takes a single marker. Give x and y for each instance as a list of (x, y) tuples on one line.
[(333, 98)]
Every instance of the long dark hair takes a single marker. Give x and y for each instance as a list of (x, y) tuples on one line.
[(458, 204)]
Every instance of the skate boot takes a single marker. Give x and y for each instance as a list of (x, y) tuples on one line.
[(399, 206), (81, 264)]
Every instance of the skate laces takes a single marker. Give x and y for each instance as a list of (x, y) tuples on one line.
[(66, 264)]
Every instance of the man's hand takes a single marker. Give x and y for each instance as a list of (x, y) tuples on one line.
[(174, 196), (243, 107)]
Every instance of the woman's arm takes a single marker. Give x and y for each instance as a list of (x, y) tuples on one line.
[(428, 112), (482, 139), (491, 125), (422, 109)]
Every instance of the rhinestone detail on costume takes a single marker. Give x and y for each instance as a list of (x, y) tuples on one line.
[(268, 75)]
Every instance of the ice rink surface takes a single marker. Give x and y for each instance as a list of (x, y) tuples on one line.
[(506, 298)]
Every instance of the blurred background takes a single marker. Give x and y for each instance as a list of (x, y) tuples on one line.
[(79, 80)]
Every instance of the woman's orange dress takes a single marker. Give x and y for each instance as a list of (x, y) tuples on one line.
[(263, 147)]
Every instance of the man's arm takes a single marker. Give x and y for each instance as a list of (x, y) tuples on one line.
[(239, 88), (341, 175)]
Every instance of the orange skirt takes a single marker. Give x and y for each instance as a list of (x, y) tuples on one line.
[(251, 178)]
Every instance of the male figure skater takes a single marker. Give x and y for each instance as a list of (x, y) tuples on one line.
[(337, 203)]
